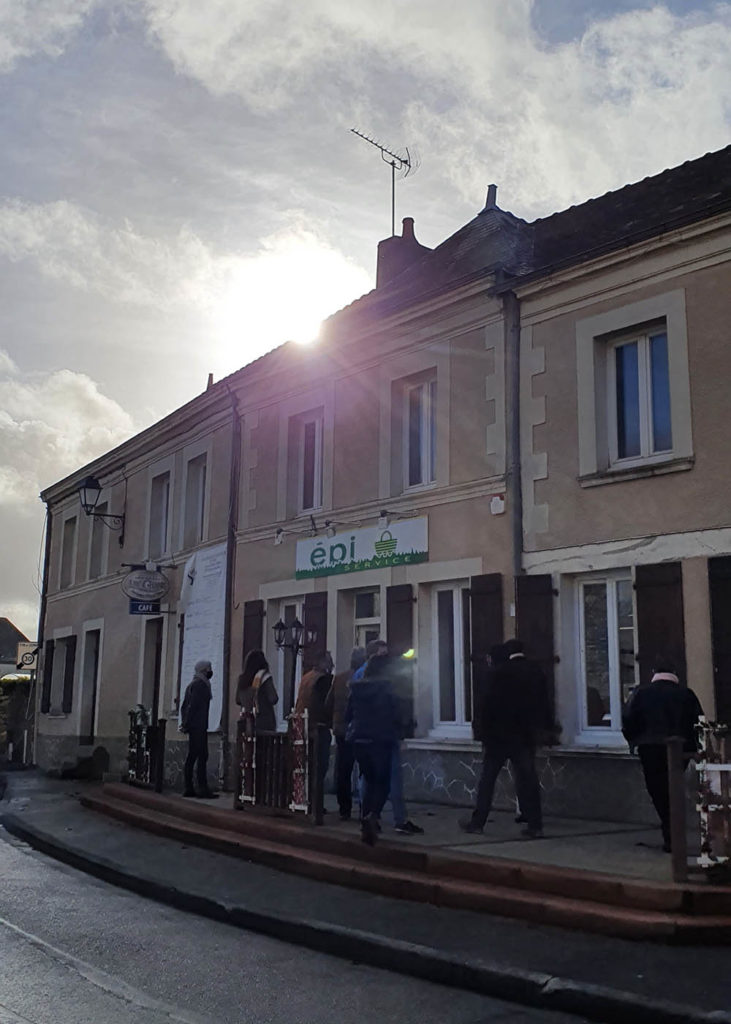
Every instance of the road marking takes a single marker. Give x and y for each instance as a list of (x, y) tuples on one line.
[(102, 980)]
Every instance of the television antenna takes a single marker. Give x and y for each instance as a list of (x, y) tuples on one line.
[(405, 165)]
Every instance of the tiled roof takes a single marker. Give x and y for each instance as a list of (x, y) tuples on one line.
[(10, 637)]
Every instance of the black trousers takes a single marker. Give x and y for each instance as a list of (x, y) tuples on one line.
[(197, 752), (522, 756), (344, 761), (374, 761), (654, 761)]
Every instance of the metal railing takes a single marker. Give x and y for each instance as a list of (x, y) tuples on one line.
[(145, 750), (714, 796)]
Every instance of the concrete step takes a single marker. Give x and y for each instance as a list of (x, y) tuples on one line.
[(440, 880)]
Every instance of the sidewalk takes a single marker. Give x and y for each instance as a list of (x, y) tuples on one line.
[(603, 978)]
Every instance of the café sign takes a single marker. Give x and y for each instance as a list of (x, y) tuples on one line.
[(145, 585), (402, 543)]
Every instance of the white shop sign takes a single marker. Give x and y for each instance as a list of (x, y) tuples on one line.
[(402, 543)]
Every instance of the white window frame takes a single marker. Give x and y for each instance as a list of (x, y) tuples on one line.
[(593, 336), (647, 453), (612, 734), (366, 622), (460, 728), (428, 432), (318, 419), (202, 502), (57, 673), (73, 553), (90, 626), (156, 472)]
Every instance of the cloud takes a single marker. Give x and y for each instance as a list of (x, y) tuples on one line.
[(29, 27), (481, 95)]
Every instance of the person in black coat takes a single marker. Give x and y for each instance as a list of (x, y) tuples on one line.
[(656, 711), (513, 715), (194, 721)]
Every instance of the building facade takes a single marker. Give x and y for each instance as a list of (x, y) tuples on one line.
[(518, 432)]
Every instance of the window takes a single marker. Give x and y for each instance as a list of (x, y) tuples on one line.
[(367, 617), (68, 552), (310, 462), (98, 544), (194, 511), (607, 665), (633, 393), (159, 515), (639, 398), (420, 433), (62, 673), (453, 689), (90, 683)]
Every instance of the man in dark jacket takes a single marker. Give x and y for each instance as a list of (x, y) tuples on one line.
[(373, 727), (656, 711), (513, 714), (337, 702), (194, 721)]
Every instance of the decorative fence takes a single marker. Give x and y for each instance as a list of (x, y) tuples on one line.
[(714, 796), (146, 750), (278, 770)]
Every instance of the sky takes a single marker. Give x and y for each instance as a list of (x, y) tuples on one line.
[(180, 191)]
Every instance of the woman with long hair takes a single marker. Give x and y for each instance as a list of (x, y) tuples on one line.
[(256, 691)]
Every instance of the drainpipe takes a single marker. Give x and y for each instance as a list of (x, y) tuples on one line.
[(41, 624), (511, 309), (231, 528)]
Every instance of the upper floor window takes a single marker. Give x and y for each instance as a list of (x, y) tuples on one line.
[(420, 433), (639, 420), (68, 552), (310, 461), (98, 543), (194, 511), (159, 515)]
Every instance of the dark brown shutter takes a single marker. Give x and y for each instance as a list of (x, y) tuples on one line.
[(486, 630), (399, 618), (660, 629), (719, 579), (315, 616), (534, 626), (68, 675), (253, 628), (47, 677)]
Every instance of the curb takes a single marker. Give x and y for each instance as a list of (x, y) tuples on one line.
[(485, 977)]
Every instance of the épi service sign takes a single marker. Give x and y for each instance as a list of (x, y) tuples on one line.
[(402, 543)]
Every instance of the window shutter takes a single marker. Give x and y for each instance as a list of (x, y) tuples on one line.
[(253, 627), (486, 630), (315, 616), (660, 628), (68, 675), (534, 626), (47, 677), (719, 578), (399, 618)]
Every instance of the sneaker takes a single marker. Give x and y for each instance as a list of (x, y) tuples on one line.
[(532, 833), (468, 825), (410, 829)]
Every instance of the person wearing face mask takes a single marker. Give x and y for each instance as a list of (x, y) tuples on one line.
[(194, 721)]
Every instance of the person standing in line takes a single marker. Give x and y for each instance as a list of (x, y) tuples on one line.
[(337, 702), (654, 712), (256, 691), (312, 696), (513, 716), (373, 727), (194, 721)]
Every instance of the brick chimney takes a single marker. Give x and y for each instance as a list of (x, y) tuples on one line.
[(397, 253)]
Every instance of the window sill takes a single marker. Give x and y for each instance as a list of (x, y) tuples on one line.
[(56, 714), (637, 472)]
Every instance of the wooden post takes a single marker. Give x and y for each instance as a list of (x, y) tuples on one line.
[(676, 786), (316, 781)]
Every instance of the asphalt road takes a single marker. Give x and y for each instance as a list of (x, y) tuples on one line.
[(74, 950)]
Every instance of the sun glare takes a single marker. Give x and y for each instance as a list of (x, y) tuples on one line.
[(284, 294)]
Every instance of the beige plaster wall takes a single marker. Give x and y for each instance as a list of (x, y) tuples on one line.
[(697, 499), (355, 449)]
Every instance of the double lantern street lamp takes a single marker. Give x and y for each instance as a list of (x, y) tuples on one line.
[(293, 637), (89, 492)]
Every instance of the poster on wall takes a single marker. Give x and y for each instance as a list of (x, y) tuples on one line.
[(203, 602)]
